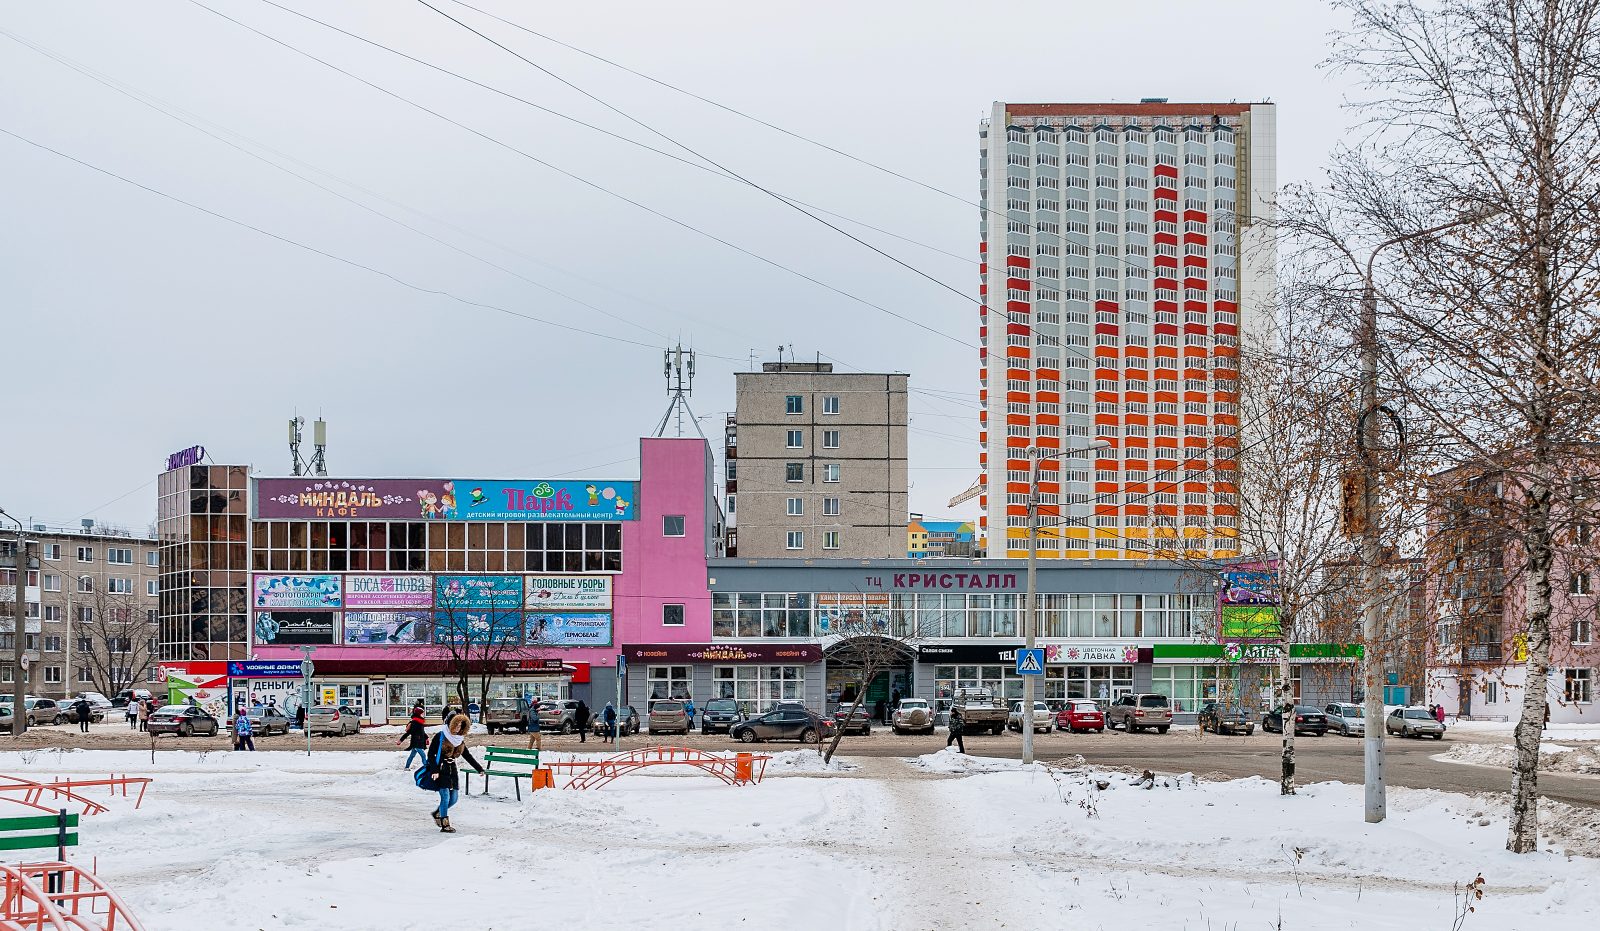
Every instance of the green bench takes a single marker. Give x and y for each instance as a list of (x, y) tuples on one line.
[(39, 832), (509, 762)]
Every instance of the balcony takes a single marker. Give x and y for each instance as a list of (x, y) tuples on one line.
[(1481, 653)]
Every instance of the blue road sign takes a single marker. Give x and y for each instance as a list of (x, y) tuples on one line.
[(1030, 662)]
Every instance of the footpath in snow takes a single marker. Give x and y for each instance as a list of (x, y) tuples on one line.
[(341, 839)]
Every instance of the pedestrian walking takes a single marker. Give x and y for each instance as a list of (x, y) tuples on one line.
[(144, 714), (84, 711), (441, 773), (131, 711), (580, 718), (688, 710), (300, 717), (417, 735), (242, 739), (1438, 713), (609, 717), (955, 733), (535, 733)]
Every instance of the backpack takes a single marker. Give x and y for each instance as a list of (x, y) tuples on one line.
[(427, 778)]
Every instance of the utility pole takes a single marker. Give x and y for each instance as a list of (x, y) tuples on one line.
[(19, 632)]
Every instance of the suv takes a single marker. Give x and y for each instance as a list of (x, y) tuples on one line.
[(853, 720), (1225, 719), (559, 716), (720, 714), (1139, 712), (668, 716), (1347, 718)]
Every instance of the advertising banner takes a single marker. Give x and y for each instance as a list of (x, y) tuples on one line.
[(569, 630), (285, 693), (478, 592), (545, 500), (293, 628), (388, 591), (477, 627), (1250, 623), (778, 653), (383, 628), (264, 669), (1248, 587), (296, 591), (568, 592), (1091, 653)]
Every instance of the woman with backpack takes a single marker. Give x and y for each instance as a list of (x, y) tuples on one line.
[(440, 774)]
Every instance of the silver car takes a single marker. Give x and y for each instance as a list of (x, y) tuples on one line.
[(264, 722), (1414, 722), (333, 720), (1346, 718)]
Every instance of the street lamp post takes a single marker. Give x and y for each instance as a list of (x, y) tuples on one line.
[(1030, 617), (1371, 549), (19, 632)]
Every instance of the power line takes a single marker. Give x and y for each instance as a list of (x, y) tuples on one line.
[(584, 181)]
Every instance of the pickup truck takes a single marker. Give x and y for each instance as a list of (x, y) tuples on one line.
[(979, 711)]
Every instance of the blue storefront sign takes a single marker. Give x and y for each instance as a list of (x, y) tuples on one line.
[(546, 500), (264, 669), (478, 592), (569, 630), (496, 627)]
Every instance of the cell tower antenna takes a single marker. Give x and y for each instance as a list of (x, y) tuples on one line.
[(678, 366), (319, 447), (295, 462)]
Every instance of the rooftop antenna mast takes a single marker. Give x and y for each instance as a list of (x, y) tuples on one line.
[(298, 464), (679, 370), (319, 447)]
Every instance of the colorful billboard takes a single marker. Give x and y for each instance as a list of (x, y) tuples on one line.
[(384, 628), (478, 592), (569, 630), (544, 500), (495, 627), (1249, 587), (1245, 622), (293, 628), (445, 499), (567, 592), (388, 591), (296, 591), (723, 653)]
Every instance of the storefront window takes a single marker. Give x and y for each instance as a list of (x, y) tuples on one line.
[(757, 688), (1101, 683), (402, 695), (1189, 687), (669, 682)]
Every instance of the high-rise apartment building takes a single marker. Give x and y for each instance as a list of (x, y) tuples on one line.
[(816, 463), (1124, 255)]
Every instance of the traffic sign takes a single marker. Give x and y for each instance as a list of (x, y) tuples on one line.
[(1030, 662), (307, 668)]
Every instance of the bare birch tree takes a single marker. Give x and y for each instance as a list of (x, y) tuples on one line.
[(1486, 111), (118, 635)]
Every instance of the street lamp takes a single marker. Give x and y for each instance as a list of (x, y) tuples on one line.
[(1029, 612), (1371, 551), (19, 628)]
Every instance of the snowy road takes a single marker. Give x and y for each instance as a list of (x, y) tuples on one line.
[(241, 842)]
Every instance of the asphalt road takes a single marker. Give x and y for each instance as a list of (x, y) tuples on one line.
[(1317, 759)]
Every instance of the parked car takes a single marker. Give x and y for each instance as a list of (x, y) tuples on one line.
[(979, 711), (1081, 714), (1225, 719), (44, 711), (333, 720), (1140, 712), (627, 721), (720, 714), (1307, 720), (558, 716), (1347, 718), (97, 710), (506, 714), (912, 715), (183, 721), (858, 721), (1043, 719), (264, 721), (788, 722), (668, 717), (124, 696), (1414, 722)]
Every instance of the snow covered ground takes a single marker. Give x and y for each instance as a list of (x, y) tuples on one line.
[(1504, 730), (343, 840), (1553, 757)]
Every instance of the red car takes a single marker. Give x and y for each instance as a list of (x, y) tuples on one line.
[(1081, 714)]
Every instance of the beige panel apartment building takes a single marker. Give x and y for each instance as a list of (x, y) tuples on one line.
[(816, 464), (91, 611)]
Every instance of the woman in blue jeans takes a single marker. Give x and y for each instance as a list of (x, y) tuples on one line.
[(448, 745), (417, 738)]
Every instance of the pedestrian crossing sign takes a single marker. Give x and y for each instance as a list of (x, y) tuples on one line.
[(1030, 662)]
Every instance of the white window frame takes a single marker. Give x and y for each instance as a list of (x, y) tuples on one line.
[(52, 552), (50, 582), (795, 507), (830, 404), (1580, 583), (830, 507), (52, 675), (831, 472), (86, 583), (794, 439), (667, 525), (117, 585), (795, 540), (830, 539), (85, 554), (1581, 677), (794, 404), (682, 612), (830, 439)]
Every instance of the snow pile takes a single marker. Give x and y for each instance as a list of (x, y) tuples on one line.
[(801, 762), (1504, 729), (1553, 757), (344, 841)]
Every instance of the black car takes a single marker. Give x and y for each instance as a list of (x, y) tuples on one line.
[(1225, 719), (857, 722), (720, 714), (1307, 720), (784, 723)]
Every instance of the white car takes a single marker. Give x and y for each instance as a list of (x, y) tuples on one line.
[(1346, 718), (1044, 720), (912, 715)]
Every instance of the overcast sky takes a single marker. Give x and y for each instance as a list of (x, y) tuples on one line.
[(147, 326)]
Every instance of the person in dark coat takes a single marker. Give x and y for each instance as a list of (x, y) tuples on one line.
[(418, 737), (300, 717), (449, 745), (84, 711), (880, 711), (580, 719), (955, 733), (609, 717)]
